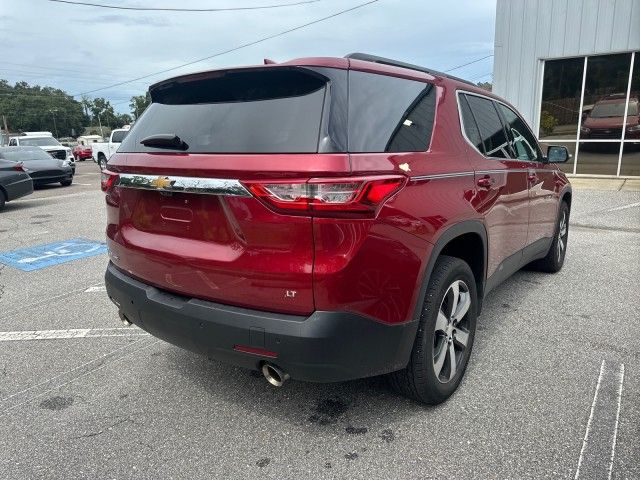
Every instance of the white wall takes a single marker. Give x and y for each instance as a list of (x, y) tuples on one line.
[(528, 31)]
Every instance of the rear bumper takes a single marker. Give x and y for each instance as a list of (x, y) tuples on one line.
[(19, 188), (324, 347)]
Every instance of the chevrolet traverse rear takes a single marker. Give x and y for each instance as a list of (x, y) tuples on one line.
[(328, 219)]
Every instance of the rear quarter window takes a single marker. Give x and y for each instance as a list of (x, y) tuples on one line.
[(389, 114)]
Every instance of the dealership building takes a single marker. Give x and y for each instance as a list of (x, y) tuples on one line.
[(572, 68)]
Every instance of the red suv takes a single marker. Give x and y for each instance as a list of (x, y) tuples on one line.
[(328, 219)]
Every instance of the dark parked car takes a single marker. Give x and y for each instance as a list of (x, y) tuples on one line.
[(40, 165), (14, 182), (328, 219)]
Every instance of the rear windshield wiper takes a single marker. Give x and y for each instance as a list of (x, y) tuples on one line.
[(165, 140)]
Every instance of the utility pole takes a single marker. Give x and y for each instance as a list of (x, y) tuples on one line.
[(53, 114), (100, 123), (5, 137)]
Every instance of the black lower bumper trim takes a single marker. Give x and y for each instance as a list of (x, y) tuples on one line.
[(324, 347)]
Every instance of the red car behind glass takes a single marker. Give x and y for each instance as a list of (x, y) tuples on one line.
[(607, 118), (328, 219)]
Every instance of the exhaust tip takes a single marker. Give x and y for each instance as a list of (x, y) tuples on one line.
[(124, 319), (274, 375)]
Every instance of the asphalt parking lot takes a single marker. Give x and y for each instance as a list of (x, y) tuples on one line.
[(553, 383)]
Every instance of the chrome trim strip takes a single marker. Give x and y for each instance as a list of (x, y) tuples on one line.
[(506, 170), (171, 184), (440, 175), (479, 172)]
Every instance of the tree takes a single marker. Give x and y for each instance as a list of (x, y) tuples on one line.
[(103, 113), (124, 119), (485, 85), (139, 103), (32, 107)]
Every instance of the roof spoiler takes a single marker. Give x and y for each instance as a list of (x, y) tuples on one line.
[(396, 63)]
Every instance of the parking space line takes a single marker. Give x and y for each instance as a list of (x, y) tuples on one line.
[(623, 207), (69, 333), (615, 431), (102, 358), (88, 372), (598, 446), (586, 433)]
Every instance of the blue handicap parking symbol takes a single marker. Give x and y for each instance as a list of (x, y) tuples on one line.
[(41, 256)]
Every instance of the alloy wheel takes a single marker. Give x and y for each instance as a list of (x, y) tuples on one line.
[(451, 332), (563, 231)]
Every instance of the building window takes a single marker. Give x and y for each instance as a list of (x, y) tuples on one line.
[(592, 104)]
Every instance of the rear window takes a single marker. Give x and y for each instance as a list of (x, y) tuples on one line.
[(389, 114), (276, 110), (118, 136), (38, 141), (23, 155)]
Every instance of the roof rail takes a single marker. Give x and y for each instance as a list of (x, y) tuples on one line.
[(396, 63)]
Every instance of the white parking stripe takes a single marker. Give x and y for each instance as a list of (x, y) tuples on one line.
[(586, 433), (615, 432), (599, 444), (69, 333), (624, 207), (96, 288)]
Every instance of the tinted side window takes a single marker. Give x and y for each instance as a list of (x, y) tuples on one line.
[(469, 124), (522, 141), (490, 126), (389, 114)]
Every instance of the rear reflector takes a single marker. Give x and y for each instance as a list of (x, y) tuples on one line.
[(107, 180), (341, 197), (255, 351)]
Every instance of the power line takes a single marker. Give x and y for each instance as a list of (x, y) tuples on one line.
[(162, 9), (239, 47), (465, 64), (481, 76)]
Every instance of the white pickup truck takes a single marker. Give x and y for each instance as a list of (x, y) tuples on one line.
[(102, 151)]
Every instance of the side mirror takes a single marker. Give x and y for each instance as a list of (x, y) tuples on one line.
[(557, 154)]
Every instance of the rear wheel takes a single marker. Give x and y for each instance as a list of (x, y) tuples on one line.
[(445, 335), (554, 260)]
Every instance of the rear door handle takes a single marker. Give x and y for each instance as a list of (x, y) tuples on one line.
[(486, 182)]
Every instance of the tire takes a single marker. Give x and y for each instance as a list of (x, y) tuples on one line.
[(554, 260), (102, 162), (66, 183), (3, 200), (428, 376)]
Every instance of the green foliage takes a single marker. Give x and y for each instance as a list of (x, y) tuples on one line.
[(29, 108), (485, 85), (547, 122), (139, 103)]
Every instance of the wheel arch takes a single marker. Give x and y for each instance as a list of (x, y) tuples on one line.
[(566, 197), (466, 240)]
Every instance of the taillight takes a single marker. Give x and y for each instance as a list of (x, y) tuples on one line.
[(325, 197), (20, 167), (107, 180)]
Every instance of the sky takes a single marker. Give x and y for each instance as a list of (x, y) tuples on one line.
[(82, 48)]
